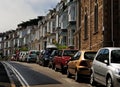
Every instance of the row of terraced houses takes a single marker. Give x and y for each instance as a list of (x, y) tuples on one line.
[(84, 24)]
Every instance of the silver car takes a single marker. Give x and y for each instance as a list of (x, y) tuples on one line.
[(106, 67)]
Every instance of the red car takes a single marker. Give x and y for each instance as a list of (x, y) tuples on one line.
[(60, 61)]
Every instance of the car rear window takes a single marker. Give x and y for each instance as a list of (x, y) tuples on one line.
[(70, 52), (89, 55)]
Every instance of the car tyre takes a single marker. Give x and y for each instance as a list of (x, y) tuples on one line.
[(68, 74), (53, 66), (49, 65), (77, 77), (109, 82), (63, 70), (28, 61), (43, 63), (56, 69)]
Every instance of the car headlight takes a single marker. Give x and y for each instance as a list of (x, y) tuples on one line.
[(117, 71)]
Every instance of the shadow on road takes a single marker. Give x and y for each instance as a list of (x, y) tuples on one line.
[(4, 80), (33, 77)]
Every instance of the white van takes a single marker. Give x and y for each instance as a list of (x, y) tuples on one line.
[(23, 55)]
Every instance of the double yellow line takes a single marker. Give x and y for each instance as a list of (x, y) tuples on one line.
[(11, 84), (18, 75)]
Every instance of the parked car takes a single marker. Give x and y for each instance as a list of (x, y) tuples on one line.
[(13, 57), (34, 52), (53, 54), (39, 56), (80, 64), (44, 59), (60, 61), (23, 55), (106, 67), (37, 52), (31, 58)]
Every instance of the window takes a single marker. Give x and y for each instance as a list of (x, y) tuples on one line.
[(115, 56), (69, 52), (89, 55), (103, 55), (86, 25), (106, 55), (96, 17), (99, 55), (77, 56), (60, 53)]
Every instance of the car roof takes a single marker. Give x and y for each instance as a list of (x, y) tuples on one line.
[(68, 49), (33, 50), (51, 46), (111, 48), (87, 51)]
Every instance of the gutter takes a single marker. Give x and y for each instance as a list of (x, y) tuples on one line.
[(12, 84)]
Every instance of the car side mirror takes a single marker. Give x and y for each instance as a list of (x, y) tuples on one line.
[(106, 62)]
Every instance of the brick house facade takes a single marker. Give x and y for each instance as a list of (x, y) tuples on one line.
[(89, 34), (111, 23), (98, 23)]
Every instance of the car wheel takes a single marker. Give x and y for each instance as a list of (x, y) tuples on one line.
[(77, 77), (109, 82), (56, 69), (92, 81), (68, 74), (49, 65), (43, 63), (27, 60), (53, 66), (63, 70)]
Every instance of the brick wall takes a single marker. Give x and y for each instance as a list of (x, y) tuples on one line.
[(94, 39)]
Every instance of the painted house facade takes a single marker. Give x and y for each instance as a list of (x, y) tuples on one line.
[(84, 24)]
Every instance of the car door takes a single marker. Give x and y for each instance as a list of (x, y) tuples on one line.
[(96, 65), (59, 59), (104, 65), (100, 66), (73, 63)]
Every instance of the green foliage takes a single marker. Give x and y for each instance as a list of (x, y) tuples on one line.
[(59, 46), (23, 49)]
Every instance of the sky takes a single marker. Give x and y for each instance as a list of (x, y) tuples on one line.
[(14, 12)]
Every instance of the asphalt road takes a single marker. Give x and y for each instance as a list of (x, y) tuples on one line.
[(33, 75), (4, 80)]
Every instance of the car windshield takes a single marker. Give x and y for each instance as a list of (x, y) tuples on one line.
[(69, 52), (89, 55), (32, 55), (35, 52), (54, 52), (115, 56)]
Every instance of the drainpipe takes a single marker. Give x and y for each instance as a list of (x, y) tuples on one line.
[(112, 35), (90, 25)]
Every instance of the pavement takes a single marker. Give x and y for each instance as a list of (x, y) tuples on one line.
[(4, 79)]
